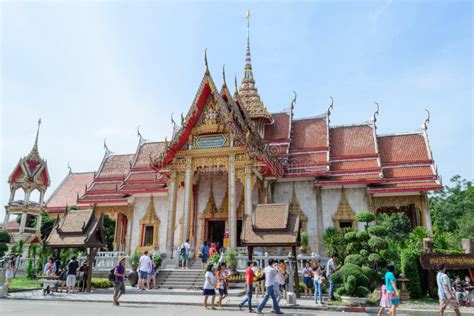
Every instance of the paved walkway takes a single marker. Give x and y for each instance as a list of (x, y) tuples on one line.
[(133, 296)]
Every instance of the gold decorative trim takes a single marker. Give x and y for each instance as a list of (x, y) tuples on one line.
[(150, 218), (344, 212)]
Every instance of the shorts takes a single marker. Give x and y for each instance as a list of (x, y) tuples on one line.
[(143, 274), (392, 299), (308, 282), (211, 292), (222, 291), (119, 287), (184, 256), (71, 280), (9, 274), (444, 303)]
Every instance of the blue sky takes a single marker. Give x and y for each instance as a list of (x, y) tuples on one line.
[(96, 69)]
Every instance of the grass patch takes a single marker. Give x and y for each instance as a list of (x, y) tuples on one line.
[(23, 283), (336, 303)]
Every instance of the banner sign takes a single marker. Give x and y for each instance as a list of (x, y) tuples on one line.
[(455, 261)]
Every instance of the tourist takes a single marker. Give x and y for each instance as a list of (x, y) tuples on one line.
[(458, 288), (331, 267), (144, 267), (151, 275), (57, 266), (393, 295), (212, 250), (445, 293), (119, 289), (468, 287), (72, 267), (209, 285), (318, 284), (249, 287), (282, 266), (270, 274), (258, 280), (204, 255), (308, 283), (384, 302), (184, 253), (83, 276), (10, 273), (48, 268), (279, 280), (222, 283)]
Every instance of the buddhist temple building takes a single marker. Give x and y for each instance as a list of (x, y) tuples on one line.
[(229, 154)]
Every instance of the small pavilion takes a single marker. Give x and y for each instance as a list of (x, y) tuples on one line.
[(273, 225), (80, 229)]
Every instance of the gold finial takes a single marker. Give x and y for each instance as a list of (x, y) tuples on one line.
[(376, 113), (223, 74), (292, 106), (331, 106), (205, 60), (427, 120), (69, 167)]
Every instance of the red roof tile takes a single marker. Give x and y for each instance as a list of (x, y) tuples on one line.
[(103, 186), (68, 190), (403, 148), (407, 186), (309, 158), (357, 140), (147, 149), (362, 177), (408, 172), (279, 130), (116, 165), (309, 133), (354, 165)]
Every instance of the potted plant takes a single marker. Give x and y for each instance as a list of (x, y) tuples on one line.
[(133, 275), (304, 242), (231, 260)]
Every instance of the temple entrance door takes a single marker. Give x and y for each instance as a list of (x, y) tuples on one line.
[(215, 231)]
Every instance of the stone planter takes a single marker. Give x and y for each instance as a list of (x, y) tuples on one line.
[(354, 300)]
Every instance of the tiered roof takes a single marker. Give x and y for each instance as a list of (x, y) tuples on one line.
[(71, 187)]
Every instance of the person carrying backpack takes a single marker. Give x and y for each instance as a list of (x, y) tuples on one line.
[(204, 255), (184, 253), (119, 278)]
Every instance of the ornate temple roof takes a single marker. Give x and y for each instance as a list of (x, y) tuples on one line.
[(248, 91), (73, 185), (32, 169)]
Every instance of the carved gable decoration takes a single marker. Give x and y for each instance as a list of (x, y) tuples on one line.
[(150, 217), (345, 216), (295, 209), (209, 121)]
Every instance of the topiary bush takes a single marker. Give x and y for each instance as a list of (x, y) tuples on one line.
[(374, 258), (4, 236), (377, 230), (364, 253), (362, 236), (365, 217), (350, 236), (351, 279), (354, 259), (377, 244)]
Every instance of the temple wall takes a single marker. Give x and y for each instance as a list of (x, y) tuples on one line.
[(179, 217), (306, 196), (139, 210), (357, 198)]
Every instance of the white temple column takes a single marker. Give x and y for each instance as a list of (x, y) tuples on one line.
[(425, 211), (38, 222), (187, 198), (248, 190), (23, 222), (6, 220), (41, 197), (171, 214), (232, 208)]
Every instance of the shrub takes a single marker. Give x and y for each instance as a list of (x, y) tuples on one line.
[(397, 225), (101, 283), (411, 270), (364, 253), (376, 243), (362, 291), (304, 239), (4, 236), (377, 230), (214, 259), (332, 240), (362, 236), (3, 249), (354, 259), (350, 236), (365, 217), (352, 248), (375, 258), (346, 276), (158, 259)]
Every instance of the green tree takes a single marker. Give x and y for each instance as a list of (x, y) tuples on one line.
[(397, 226), (109, 231), (47, 223), (452, 209), (365, 217)]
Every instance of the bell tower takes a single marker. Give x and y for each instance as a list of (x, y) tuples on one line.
[(28, 184)]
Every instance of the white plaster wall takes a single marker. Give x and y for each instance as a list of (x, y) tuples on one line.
[(139, 210), (357, 198), (179, 215), (306, 196)]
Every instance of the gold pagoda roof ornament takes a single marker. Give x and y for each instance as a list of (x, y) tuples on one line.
[(248, 91), (34, 153)]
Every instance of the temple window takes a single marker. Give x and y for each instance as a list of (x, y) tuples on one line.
[(149, 226), (345, 216)]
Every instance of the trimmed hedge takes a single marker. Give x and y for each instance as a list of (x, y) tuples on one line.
[(352, 280), (101, 283), (411, 268)]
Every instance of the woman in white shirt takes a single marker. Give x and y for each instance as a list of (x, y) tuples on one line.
[(209, 286)]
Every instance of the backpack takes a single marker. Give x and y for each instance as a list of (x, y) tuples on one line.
[(183, 250), (112, 275)]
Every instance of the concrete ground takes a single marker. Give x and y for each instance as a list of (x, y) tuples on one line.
[(52, 308)]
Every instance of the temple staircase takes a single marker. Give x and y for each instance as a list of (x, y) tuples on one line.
[(189, 279)]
